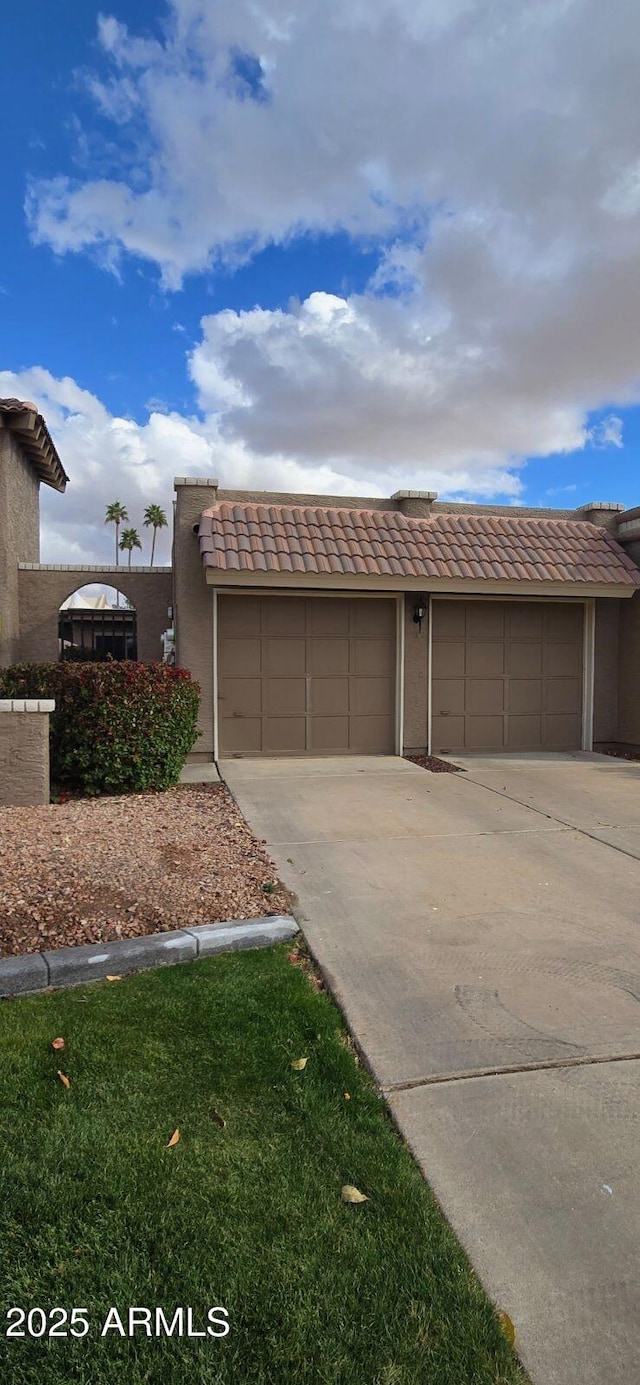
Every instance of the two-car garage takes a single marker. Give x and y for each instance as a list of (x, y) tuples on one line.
[(320, 674)]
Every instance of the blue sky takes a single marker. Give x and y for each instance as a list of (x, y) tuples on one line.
[(350, 249)]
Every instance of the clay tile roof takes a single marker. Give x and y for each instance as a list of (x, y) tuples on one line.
[(30, 429), (387, 543)]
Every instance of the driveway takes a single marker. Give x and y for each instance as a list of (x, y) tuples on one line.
[(481, 931)]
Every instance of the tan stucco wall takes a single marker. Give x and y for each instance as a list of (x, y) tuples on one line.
[(42, 591), (194, 605), (606, 664), (24, 759), (629, 686), (416, 680), (19, 535)]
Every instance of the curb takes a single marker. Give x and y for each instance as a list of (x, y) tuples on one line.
[(74, 966)]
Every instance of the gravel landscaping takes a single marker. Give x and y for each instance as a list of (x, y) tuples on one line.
[(433, 763), (92, 870)]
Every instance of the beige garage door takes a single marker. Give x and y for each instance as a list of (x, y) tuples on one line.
[(305, 675), (507, 675)]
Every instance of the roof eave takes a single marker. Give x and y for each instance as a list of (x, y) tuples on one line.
[(30, 430), (436, 586)]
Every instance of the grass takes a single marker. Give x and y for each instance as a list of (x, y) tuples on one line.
[(96, 1212)]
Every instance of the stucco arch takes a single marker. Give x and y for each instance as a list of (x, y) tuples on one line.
[(42, 589)]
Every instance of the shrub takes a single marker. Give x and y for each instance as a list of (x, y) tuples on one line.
[(117, 727)]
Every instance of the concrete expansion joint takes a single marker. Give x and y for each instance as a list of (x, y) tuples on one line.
[(543, 1065)]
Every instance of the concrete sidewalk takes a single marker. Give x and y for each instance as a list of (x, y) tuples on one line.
[(467, 927)]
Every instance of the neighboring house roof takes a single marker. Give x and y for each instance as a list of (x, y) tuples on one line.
[(23, 419), (76, 602), (386, 543)]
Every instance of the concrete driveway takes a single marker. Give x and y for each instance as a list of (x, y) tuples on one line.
[(482, 933)]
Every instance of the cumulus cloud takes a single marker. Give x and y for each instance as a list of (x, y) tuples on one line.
[(492, 153)]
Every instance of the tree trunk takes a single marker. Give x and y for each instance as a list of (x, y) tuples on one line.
[(117, 558), (153, 544)]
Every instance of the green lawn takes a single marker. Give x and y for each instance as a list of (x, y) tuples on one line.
[(96, 1212)]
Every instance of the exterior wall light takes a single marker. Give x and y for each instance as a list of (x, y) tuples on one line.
[(420, 611)]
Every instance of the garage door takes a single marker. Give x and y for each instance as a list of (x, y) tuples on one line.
[(507, 675), (305, 675)]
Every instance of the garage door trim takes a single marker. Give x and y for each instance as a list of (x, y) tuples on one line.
[(398, 599), (588, 651)]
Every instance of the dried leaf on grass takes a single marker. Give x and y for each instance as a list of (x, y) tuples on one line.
[(113, 978), (64, 1079), (299, 1064), (507, 1327), (351, 1194), (174, 1139), (57, 1044), (219, 1120)]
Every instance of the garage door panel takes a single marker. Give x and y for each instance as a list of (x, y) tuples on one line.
[(283, 615), (239, 617), (448, 659), (373, 618), (284, 696), (448, 732), (371, 696), (326, 618), (561, 732), (448, 696), (241, 735), (327, 656), (562, 695), (283, 658), (563, 622), (485, 620), (485, 733), (524, 733), (284, 735), (372, 656), (244, 695), (562, 660), (329, 735), (524, 695), (523, 622), (371, 735), (485, 658), (520, 689), (485, 695), (523, 660), (329, 697), (448, 620), (239, 658)]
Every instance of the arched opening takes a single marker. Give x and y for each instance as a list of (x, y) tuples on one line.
[(97, 623)]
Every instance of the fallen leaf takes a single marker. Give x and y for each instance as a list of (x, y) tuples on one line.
[(219, 1120), (351, 1194), (174, 1139), (57, 1044), (113, 978), (347, 1096), (299, 1064), (64, 1079), (507, 1327)]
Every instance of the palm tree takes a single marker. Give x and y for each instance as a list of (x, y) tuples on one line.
[(130, 540), (116, 514), (155, 516)]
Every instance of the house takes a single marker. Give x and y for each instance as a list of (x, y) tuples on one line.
[(341, 625), (332, 625)]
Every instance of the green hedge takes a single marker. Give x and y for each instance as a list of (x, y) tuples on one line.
[(117, 727)]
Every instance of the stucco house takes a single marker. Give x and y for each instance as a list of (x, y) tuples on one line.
[(334, 625), (342, 625)]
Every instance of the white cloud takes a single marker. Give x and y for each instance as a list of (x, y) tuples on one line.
[(493, 147)]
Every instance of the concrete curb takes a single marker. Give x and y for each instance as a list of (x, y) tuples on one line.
[(74, 966)]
